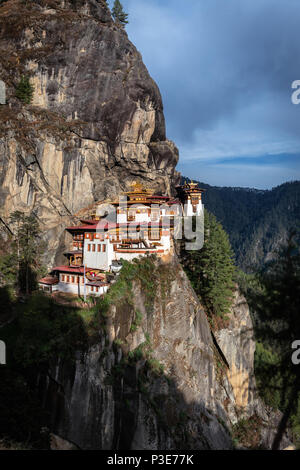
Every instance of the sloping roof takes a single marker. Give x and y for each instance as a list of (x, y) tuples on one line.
[(98, 224), (71, 269), (102, 225), (174, 201), (87, 221), (49, 280), (83, 227), (96, 283)]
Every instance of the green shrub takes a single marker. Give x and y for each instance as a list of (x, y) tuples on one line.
[(25, 90), (137, 321)]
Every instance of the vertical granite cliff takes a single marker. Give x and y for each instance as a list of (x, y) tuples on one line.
[(154, 377), (147, 381), (96, 120)]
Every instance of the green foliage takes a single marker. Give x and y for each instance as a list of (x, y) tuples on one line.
[(137, 321), (268, 377), (40, 333), (276, 299), (246, 432), (138, 353), (27, 249), (118, 13), (118, 342), (8, 268), (255, 220), (120, 293), (155, 366), (25, 90), (211, 269)]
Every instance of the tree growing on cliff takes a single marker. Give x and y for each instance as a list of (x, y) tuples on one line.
[(211, 269), (119, 14), (27, 248), (24, 90)]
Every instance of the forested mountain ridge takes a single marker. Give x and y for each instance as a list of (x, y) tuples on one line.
[(257, 221)]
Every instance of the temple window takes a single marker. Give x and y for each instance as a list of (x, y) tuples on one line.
[(154, 234), (131, 216)]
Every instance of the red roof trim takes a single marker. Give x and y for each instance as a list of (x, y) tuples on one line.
[(96, 283), (88, 221), (48, 280), (71, 269), (111, 225)]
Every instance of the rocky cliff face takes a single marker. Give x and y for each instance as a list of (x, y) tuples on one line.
[(153, 377), (96, 121), (236, 387), (118, 397)]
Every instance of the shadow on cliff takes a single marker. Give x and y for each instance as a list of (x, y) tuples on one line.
[(128, 406), (36, 331), (87, 390), (90, 394), (278, 383), (274, 299)]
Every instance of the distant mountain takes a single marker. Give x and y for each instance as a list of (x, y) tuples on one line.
[(257, 221)]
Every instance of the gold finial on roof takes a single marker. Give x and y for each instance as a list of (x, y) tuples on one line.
[(138, 187)]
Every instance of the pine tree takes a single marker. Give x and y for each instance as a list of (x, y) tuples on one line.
[(211, 269), (118, 13), (28, 247), (25, 90)]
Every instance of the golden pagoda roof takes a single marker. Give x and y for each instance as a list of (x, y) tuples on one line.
[(190, 187), (138, 188)]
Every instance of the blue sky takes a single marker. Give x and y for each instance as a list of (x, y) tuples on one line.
[(225, 69)]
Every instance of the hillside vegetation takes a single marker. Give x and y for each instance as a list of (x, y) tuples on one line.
[(256, 221)]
